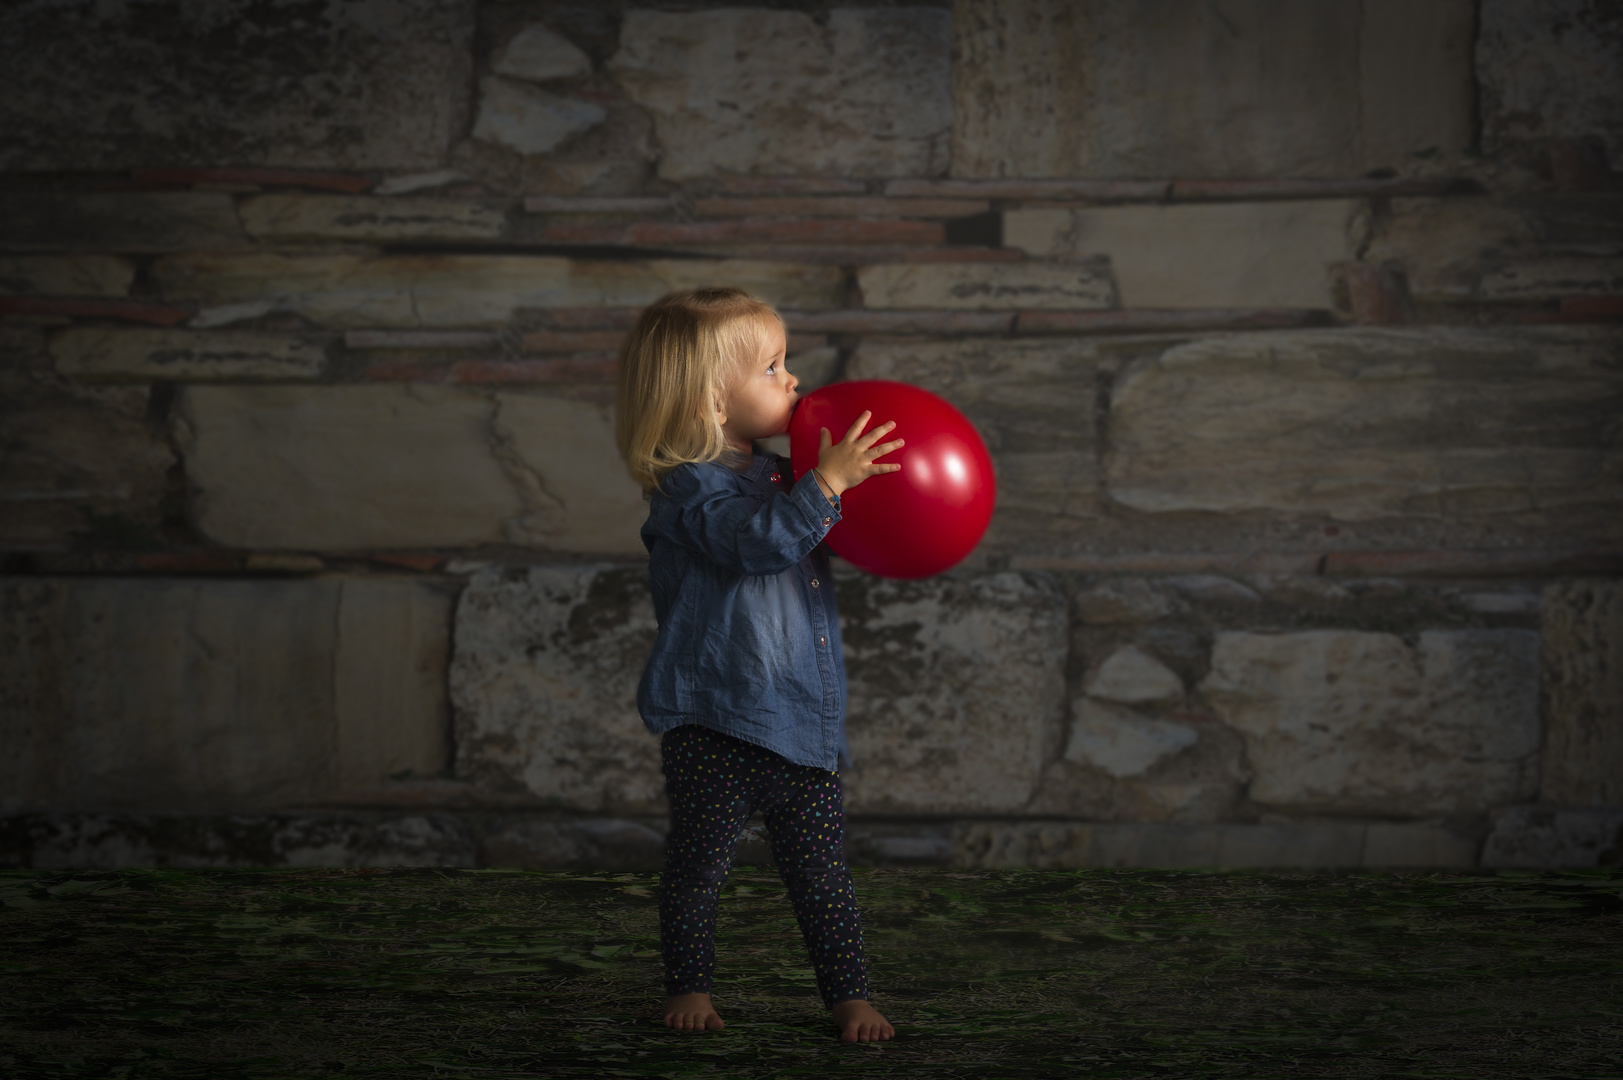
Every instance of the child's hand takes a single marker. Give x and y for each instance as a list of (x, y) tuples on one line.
[(847, 463)]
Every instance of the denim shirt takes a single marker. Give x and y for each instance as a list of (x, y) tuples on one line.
[(749, 635)]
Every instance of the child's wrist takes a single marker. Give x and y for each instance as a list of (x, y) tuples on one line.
[(824, 486)]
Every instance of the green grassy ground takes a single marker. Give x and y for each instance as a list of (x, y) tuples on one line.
[(1005, 973)]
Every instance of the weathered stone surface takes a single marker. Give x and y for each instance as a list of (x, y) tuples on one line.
[(361, 217), (1120, 741), (533, 842), (1133, 677), (1264, 88), (957, 690), (544, 687), (1352, 722), (185, 841), (1554, 838), (151, 694), (1390, 846), (1550, 279), (857, 92), (1582, 760), (354, 291), (1369, 423), (93, 353), (75, 462), (1218, 255), (984, 286), (538, 54), (134, 222), (1121, 765), (65, 275), (393, 466), (529, 119), (1075, 845), (1550, 69), (1213, 589), (1123, 600), (1482, 249), (324, 85)]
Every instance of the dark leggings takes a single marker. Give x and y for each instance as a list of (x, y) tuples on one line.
[(714, 782)]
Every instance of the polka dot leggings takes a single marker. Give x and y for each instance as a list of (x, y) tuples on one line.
[(715, 781)]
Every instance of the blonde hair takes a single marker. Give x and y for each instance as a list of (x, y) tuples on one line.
[(676, 368)]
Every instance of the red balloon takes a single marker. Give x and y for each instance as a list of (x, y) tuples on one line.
[(923, 519)]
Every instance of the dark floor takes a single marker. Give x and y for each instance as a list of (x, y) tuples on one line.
[(993, 973)]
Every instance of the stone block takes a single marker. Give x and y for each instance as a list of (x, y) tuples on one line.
[(79, 462), (544, 687), (533, 842), (96, 354), (1203, 255), (979, 286), (1371, 423), (1133, 677), (198, 841), (1535, 280), (65, 275), (1122, 765), (1582, 627), (839, 207), (134, 222), (324, 85), (1032, 403), (537, 54), (173, 693), (957, 691), (400, 466), (1120, 741), (529, 119), (1264, 88), (1124, 600), (855, 92), (362, 218), (1549, 70), (1480, 250), (1340, 721), (1395, 846), (409, 291), (1554, 838)]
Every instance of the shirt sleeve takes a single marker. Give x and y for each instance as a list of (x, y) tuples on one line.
[(701, 508)]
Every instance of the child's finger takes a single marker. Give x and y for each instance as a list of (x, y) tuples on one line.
[(856, 428), (877, 433), (826, 439), (884, 448)]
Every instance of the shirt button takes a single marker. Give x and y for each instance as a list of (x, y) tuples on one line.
[(827, 522), (777, 478), (821, 640), (815, 583)]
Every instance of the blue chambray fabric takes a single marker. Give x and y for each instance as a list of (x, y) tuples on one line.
[(749, 633)]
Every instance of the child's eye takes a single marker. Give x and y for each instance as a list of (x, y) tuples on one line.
[(772, 369)]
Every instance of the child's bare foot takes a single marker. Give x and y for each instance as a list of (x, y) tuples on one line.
[(859, 1021), (692, 1012)]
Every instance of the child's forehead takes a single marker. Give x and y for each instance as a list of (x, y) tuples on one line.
[(764, 331)]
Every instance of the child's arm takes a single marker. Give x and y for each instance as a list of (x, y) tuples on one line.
[(700, 508)]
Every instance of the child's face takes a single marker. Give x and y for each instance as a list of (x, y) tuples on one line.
[(764, 395)]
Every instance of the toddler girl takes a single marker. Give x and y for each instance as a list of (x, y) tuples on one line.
[(746, 685)]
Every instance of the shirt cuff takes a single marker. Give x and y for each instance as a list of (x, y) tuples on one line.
[(822, 514)]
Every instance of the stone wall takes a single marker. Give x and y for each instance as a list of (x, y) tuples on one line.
[(1294, 336)]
